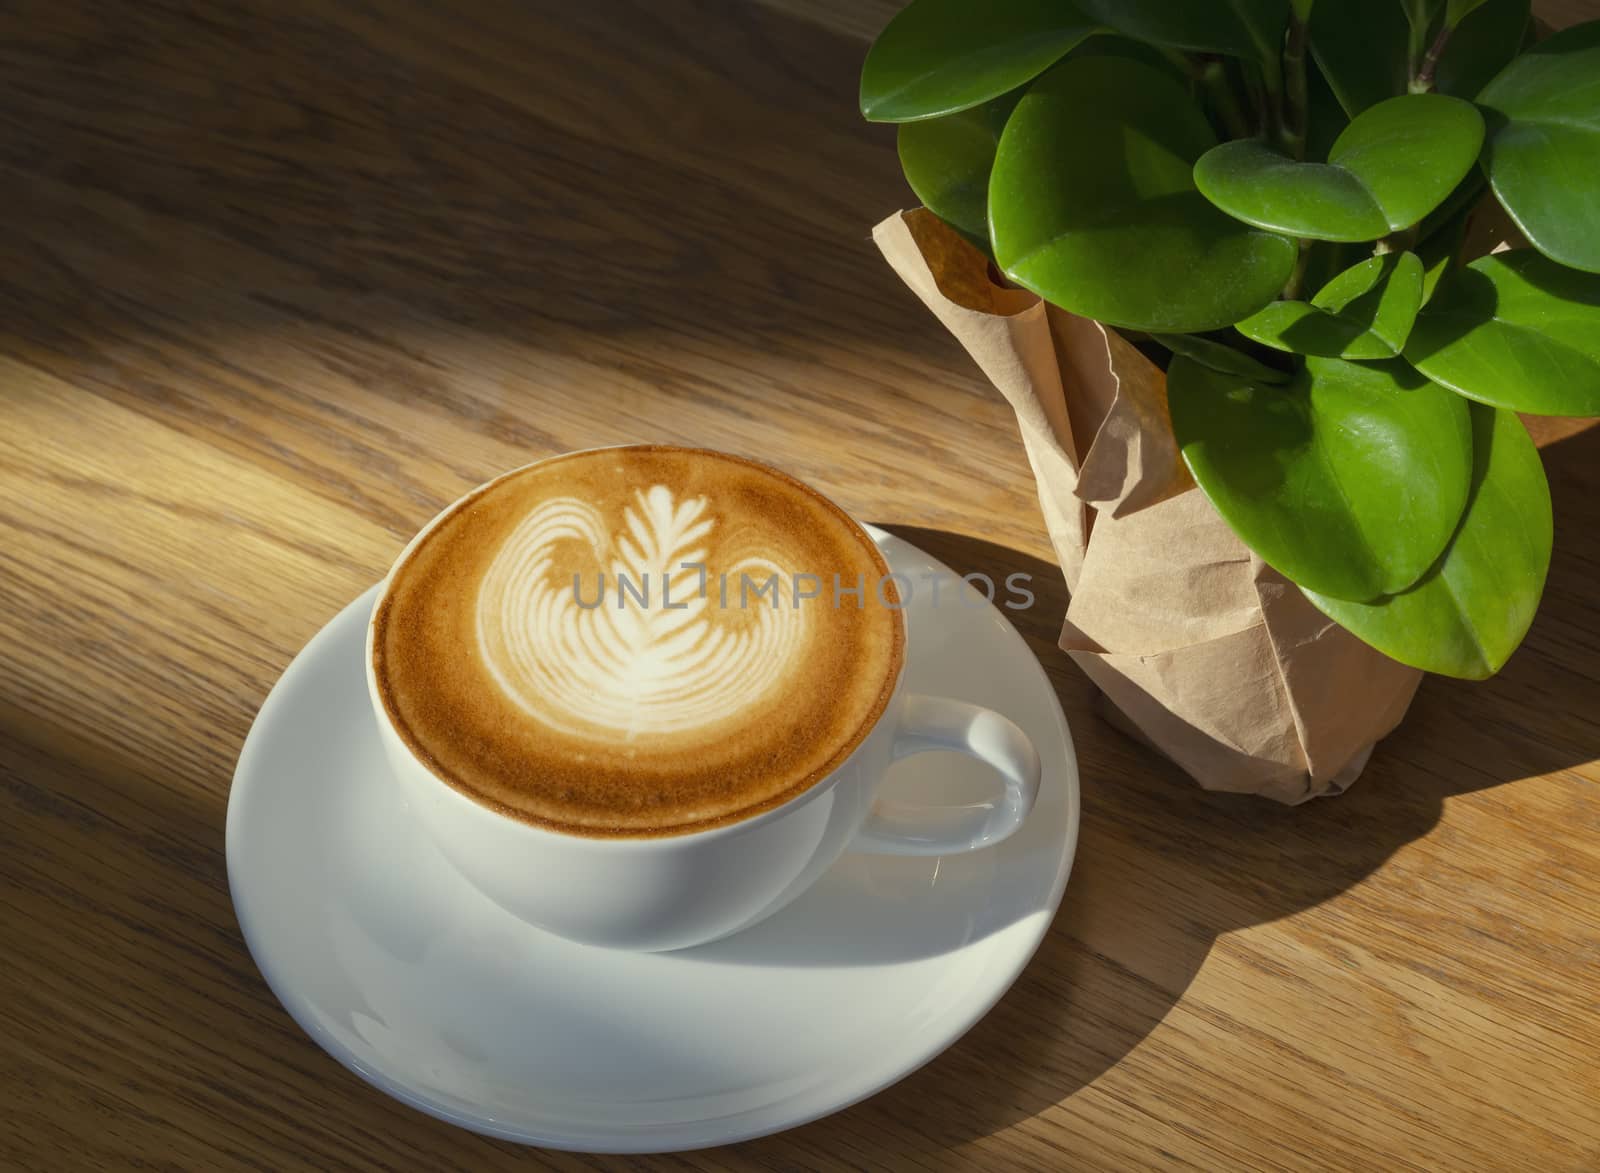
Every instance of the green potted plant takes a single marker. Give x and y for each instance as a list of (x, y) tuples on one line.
[(1272, 201)]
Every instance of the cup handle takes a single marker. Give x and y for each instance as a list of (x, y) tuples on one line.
[(939, 723)]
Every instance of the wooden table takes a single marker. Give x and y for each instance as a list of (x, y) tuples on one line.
[(278, 278)]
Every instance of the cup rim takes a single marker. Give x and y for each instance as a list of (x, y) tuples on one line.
[(625, 842)]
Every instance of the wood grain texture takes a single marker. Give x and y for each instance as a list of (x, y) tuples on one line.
[(278, 280)]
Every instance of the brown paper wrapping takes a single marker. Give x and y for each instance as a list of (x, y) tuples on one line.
[(1210, 655)]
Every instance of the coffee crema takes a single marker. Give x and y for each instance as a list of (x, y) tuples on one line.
[(638, 641)]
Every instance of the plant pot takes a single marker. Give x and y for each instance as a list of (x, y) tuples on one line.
[(1209, 654)]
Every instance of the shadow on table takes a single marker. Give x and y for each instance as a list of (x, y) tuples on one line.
[(1163, 868), (478, 169), (148, 900)]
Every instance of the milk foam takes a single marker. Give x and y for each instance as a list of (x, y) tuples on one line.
[(620, 673)]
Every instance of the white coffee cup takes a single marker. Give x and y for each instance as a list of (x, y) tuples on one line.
[(674, 891)]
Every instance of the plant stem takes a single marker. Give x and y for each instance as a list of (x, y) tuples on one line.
[(1422, 79), (1292, 288), (1272, 81), (1291, 108), (1294, 82), (1180, 60), (1397, 242), (1219, 88), (1417, 20), (1256, 94)]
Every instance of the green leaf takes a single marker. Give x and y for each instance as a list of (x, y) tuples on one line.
[(1365, 312), (1325, 118), (1326, 259), (1485, 43), (1363, 48), (1357, 281), (1470, 611), (1392, 165), (1468, 194), (1349, 481), (1439, 248), (1238, 28), (1384, 293), (937, 57), (1514, 330), (1092, 205), (1107, 45), (1220, 357), (1543, 148), (947, 162), (1456, 9)]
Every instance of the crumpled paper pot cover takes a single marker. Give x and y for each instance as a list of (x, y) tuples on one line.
[(1211, 656)]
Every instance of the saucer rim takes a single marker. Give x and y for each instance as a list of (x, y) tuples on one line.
[(649, 1139)]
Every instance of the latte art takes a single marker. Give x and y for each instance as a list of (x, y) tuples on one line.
[(664, 657), (616, 643)]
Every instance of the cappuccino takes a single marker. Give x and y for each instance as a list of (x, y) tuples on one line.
[(638, 641)]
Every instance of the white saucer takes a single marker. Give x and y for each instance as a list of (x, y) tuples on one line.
[(413, 981)]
